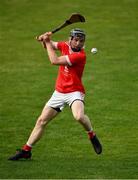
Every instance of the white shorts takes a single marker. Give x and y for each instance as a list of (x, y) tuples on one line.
[(59, 100)]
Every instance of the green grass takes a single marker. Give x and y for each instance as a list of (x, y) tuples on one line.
[(111, 81)]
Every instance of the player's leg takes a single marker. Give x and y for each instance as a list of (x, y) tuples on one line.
[(47, 114), (78, 113)]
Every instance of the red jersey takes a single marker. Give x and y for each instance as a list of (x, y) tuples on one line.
[(69, 77)]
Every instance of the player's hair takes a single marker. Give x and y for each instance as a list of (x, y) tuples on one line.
[(77, 33)]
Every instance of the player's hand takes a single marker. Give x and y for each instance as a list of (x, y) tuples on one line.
[(47, 37), (44, 37), (39, 38)]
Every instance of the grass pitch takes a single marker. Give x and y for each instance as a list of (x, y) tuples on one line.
[(111, 81)]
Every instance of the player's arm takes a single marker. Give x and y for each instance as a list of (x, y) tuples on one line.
[(53, 43), (54, 59), (51, 46), (41, 38)]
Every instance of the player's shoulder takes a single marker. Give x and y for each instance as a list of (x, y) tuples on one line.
[(83, 53), (62, 44)]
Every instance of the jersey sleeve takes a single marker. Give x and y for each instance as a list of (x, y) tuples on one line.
[(76, 58), (72, 58), (60, 45)]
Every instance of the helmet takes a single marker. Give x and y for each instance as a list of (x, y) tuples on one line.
[(77, 32)]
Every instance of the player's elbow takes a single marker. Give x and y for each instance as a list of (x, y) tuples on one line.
[(54, 61)]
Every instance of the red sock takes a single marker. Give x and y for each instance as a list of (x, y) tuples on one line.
[(27, 148), (91, 134)]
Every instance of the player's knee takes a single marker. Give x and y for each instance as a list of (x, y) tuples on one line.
[(41, 121), (79, 117)]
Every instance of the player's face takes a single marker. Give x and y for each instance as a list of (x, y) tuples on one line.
[(77, 43)]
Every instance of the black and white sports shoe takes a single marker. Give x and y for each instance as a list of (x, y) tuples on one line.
[(21, 154), (96, 144)]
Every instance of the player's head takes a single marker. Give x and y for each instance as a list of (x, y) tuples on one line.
[(77, 33), (77, 39)]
